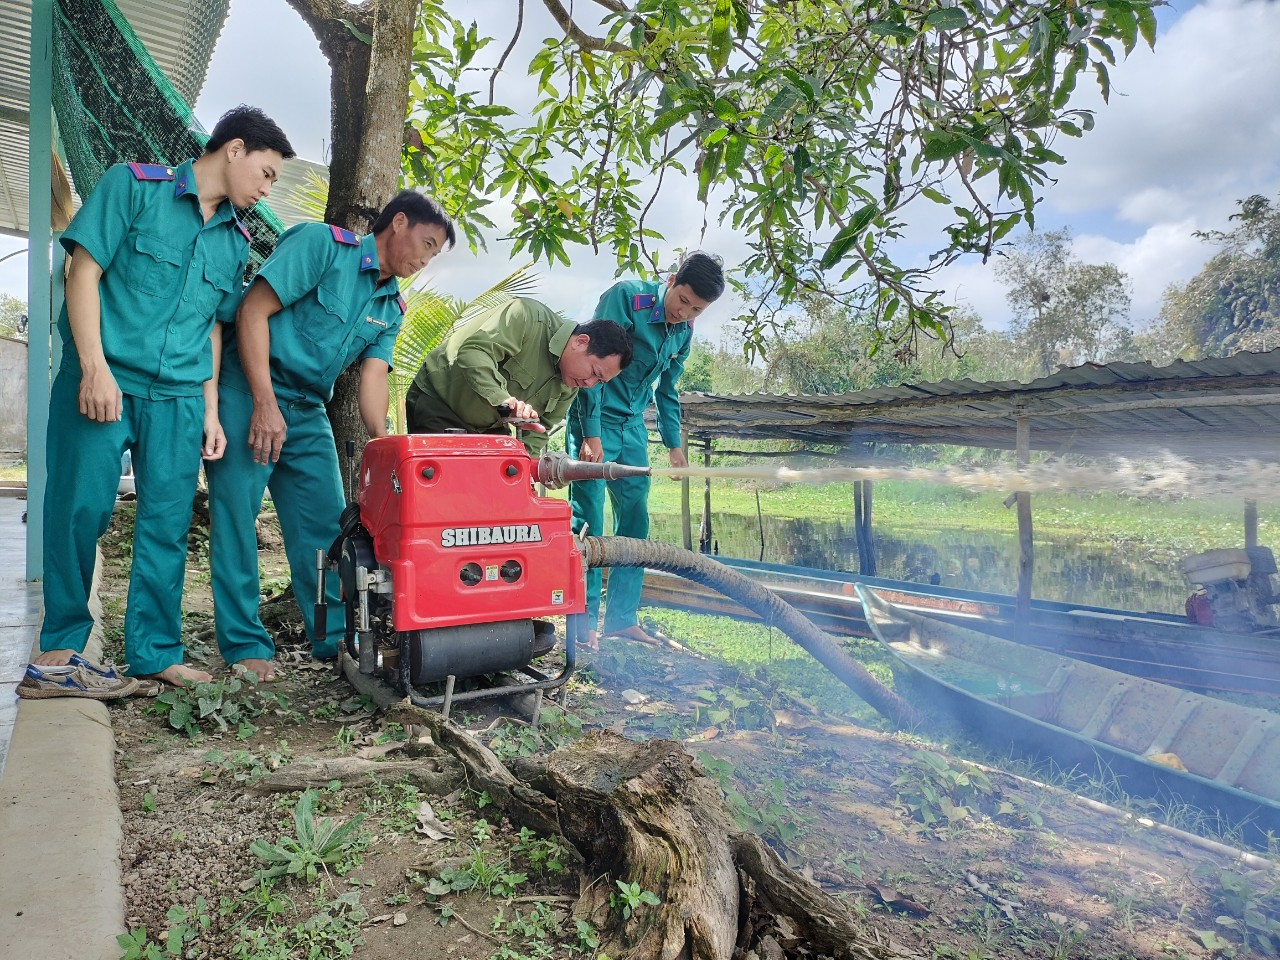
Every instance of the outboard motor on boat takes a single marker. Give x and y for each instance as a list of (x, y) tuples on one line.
[(1235, 590)]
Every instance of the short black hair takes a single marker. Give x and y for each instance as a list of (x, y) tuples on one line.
[(255, 128), (418, 208), (703, 273), (607, 338)]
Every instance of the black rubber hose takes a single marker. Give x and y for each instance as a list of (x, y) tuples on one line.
[(773, 610)]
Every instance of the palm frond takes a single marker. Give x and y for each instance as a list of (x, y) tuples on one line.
[(429, 317), (311, 196)]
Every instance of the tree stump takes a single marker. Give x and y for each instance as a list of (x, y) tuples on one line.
[(641, 813)]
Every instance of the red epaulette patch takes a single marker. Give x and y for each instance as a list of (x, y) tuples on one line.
[(244, 230), (643, 301), (151, 171), (344, 236), (403, 304)]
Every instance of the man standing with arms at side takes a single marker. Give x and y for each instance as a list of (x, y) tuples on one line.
[(325, 299), (608, 423), (157, 257), (521, 355)]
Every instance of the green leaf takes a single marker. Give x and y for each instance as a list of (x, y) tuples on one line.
[(948, 18), (720, 40), (940, 145), (887, 28), (666, 121), (357, 33), (1147, 25), (847, 237)]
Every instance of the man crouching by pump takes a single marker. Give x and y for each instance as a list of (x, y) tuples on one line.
[(520, 361)]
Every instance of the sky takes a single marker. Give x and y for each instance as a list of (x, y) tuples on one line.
[(1191, 128)]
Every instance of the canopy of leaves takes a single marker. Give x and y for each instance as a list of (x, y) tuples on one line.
[(1233, 303), (1064, 310), (812, 129)]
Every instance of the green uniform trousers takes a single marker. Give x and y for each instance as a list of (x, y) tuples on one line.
[(307, 491), (629, 500), (84, 471)]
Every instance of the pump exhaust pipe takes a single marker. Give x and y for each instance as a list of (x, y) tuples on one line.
[(556, 469)]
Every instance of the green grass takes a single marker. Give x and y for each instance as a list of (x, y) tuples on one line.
[(16, 472), (775, 660), (1163, 530)]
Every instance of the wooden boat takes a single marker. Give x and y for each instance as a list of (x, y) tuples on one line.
[(1034, 703), (1156, 646)]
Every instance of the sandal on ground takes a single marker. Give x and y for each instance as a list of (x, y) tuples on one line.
[(47, 683)]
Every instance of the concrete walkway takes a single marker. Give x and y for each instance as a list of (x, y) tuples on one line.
[(60, 892)]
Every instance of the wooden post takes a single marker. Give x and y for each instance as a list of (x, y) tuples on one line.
[(857, 526), (760, 525), (867, 538), (686, 521), (704, 534), (1250, 523), (1026, 548)]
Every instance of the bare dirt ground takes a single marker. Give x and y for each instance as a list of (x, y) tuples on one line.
[(932, 856)]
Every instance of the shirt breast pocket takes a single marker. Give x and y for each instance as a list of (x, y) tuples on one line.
[(322, 326), (155, 267), (214, 286)]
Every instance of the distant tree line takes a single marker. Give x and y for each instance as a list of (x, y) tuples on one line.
[(1064, 312)]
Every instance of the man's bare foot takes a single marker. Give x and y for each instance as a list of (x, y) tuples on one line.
[(53, 658), (264, 670), (179, 675), (636, 632), (593, 641)]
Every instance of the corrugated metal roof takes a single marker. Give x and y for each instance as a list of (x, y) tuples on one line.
[(1205, 409), (180, 42)]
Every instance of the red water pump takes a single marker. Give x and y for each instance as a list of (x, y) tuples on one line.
[(450, 563)]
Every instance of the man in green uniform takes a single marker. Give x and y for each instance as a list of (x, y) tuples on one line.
[(608, 423), (521, 355), (157, 255), (323, 300)]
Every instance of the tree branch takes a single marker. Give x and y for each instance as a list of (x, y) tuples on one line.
[(493, 77), (575, 33)]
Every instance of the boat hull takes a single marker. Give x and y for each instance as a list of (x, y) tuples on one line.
[(1035, 704), (1155, 646)]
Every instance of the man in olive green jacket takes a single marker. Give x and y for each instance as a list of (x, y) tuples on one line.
[(520, 355)]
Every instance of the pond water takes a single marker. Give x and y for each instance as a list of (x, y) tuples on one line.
[(959, 558)]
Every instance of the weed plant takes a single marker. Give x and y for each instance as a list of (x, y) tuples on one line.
[(219, 706), (317, 844)]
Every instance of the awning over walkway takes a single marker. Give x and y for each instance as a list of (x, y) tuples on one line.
[(1203, 409)]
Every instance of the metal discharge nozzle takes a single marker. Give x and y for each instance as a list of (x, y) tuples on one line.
[(556, 469)]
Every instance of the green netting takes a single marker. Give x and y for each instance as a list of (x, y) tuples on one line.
[(114, 104)]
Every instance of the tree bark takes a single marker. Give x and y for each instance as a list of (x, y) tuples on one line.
[(641, 813), (369, 86)]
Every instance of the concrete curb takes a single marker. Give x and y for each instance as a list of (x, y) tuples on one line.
[(60, 831)]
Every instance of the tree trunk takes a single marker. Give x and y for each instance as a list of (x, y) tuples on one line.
[(369, 84), (641, 813)]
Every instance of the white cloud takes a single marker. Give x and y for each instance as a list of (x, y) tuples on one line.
[(1191, 127)]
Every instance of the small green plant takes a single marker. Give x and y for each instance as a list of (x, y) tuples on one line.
[(186, 926), (317, 844), (1248, 902), (934, 790), (546, 855), (729, 710), (493, 878), (215, 707), (345, 738), (630, 898), (149, 802), (768, 816)]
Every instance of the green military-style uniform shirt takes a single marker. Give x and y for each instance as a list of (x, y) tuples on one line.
[(167, 275), (508, 351), (335, 311), (660, 350)]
